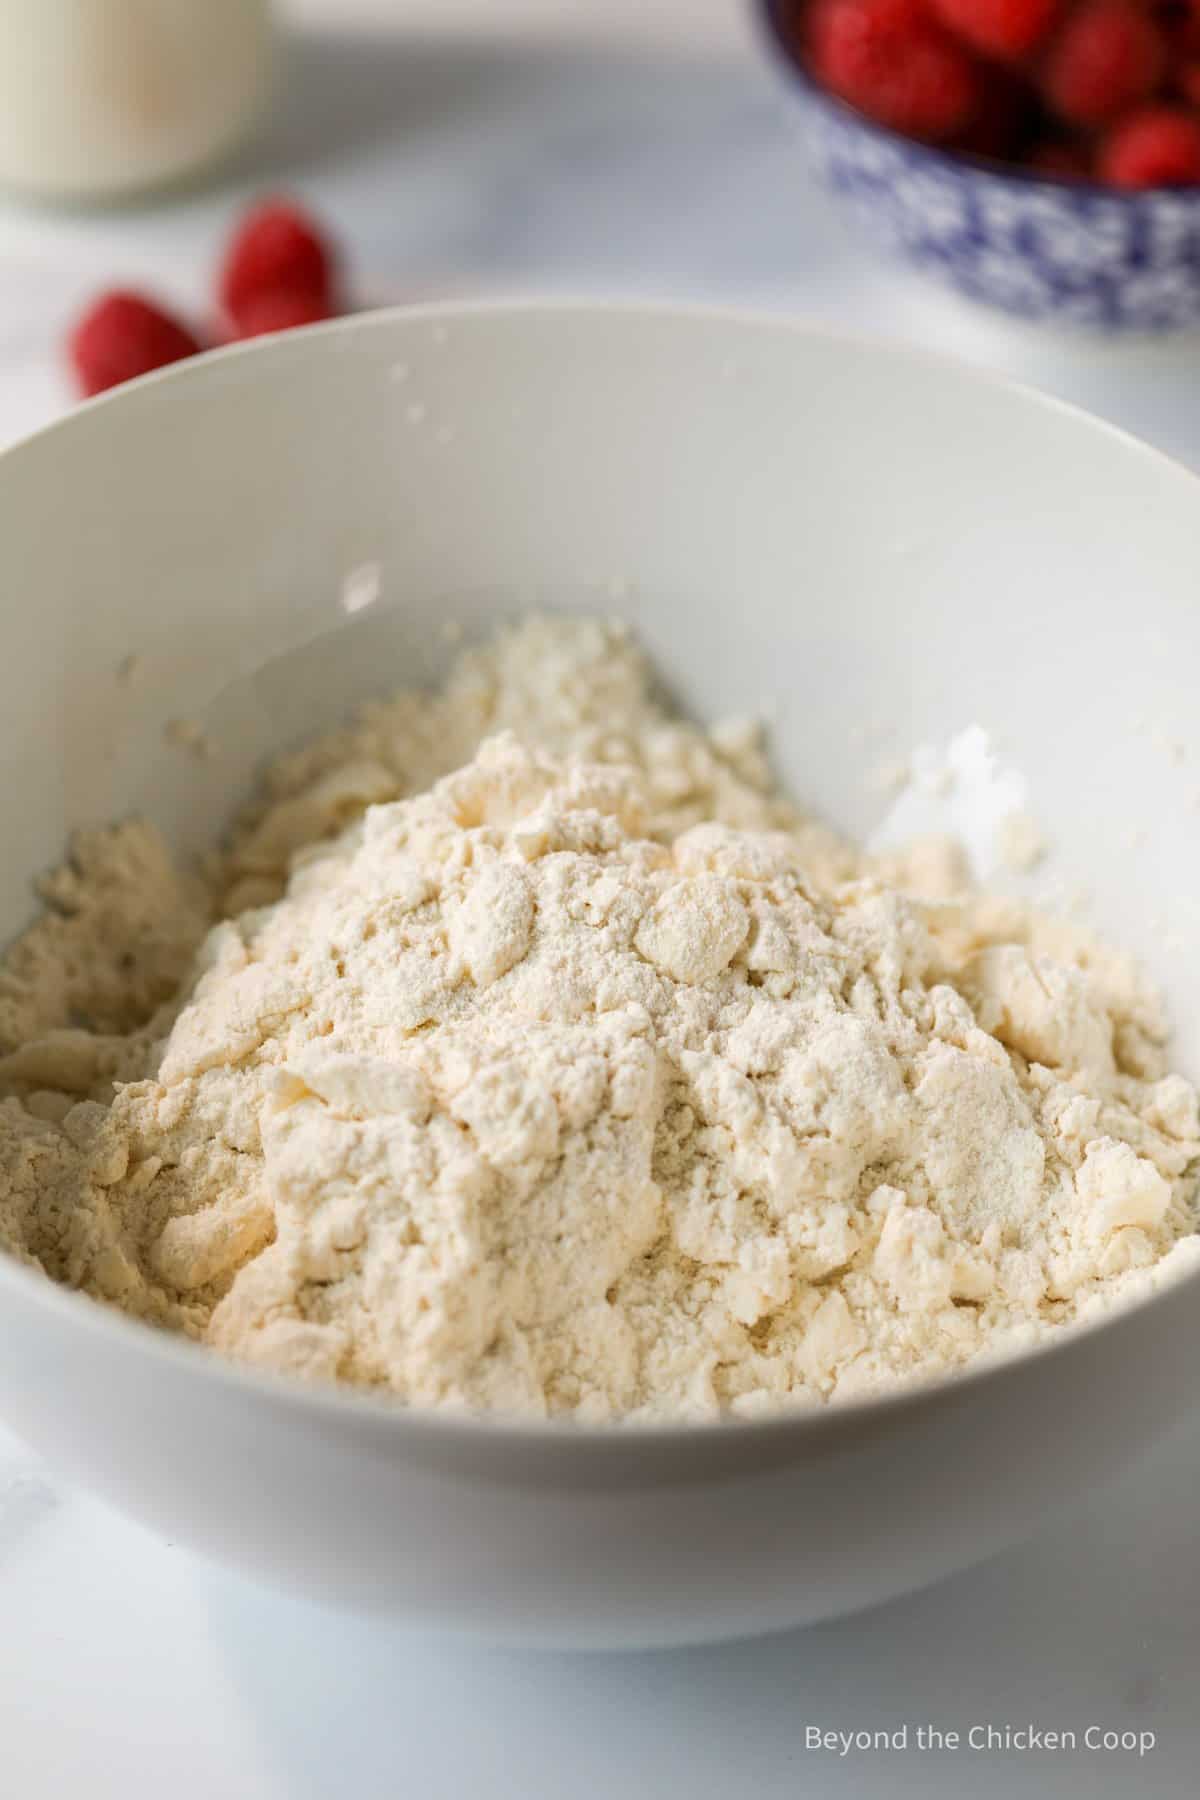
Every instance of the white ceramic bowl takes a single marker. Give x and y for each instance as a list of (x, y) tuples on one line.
[(840, 531)]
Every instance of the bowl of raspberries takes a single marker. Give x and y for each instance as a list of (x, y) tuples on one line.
[(1039, 155)]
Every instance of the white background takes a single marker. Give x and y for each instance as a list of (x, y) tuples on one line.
[(620, 146)]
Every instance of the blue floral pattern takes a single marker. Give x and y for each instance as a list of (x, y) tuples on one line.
[(1041, 248)]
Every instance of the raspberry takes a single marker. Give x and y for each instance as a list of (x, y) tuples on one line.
[(1002, 118), (275, 246), (1156, 147), (1068, 161), (1003, 28), (887, 59), (1183, 56), (280, 309), (122, 335), (1107, 57)]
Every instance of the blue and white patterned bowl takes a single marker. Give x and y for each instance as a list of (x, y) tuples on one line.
[(1065, 251)]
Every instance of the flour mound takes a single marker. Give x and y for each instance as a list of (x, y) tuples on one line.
[(590, 1079)]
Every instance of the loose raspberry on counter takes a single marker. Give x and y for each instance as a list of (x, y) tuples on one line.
[(276, 247), (1108, 55), (279, 309), (1156, 147), (895, 64), (1003, 28), (122, 335)]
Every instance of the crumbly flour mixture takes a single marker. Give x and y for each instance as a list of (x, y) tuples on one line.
[(527, 1051)]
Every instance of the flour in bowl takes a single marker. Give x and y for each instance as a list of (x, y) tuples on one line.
[(527, 1051)]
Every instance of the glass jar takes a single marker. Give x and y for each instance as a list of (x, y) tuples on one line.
[(102, 99)]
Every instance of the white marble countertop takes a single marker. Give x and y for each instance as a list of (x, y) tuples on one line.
[(619, 147)]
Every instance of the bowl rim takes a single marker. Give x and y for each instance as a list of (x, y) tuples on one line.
[(973, 161), (341, 1405)]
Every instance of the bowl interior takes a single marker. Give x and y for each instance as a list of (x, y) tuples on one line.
[(846, 537), (857, 541)]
